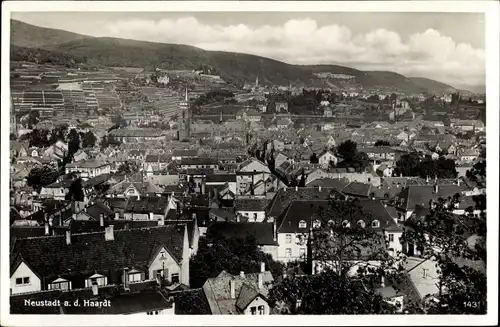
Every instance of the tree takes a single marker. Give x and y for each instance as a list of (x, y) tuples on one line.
[(445, 238), (109, 140), (340, 240), (314, 158), (128, 168), (478, 173), (230, 254), (39, 177), (89, 140), (73, 142), (33, 118), (326, 293), (347, 150), (382, 143), (76, 192)]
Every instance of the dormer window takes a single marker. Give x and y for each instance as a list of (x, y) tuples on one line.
[(316, 224), (96, 279), (346, 224), (60, 284), (375, 224), (361, 224), (331, 223), (302, 224), (135, 276)]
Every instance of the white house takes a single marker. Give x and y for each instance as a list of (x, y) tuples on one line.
[(88, 169), (325, 158)]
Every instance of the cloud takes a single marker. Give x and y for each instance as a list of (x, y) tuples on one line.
[(301, 41)]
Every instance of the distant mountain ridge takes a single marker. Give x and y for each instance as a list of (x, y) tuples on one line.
[(234, 67)]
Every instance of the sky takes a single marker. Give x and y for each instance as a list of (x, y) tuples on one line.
[(448, 47)]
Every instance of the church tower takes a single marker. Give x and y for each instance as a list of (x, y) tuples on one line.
[(185, 125)]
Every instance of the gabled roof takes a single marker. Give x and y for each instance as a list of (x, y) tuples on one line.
[(284, 197), (251, 204), (218, 291), (420, 195), (154, 204), (311, 210), (51, 256), (262, 232), (358, 189)]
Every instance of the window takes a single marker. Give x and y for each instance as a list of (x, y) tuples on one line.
[(134, 277), (302, 253), (175, 278), (391, 237), (346, 224), (302, 224), (96, 279), (331, 223), (288, 252), (317, 224), (375, 224), (253, 310), (361, 224), (255, 216), (60, 284), (22, 281), (261, 309), (288, 238)]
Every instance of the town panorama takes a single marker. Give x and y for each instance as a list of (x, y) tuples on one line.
[(164, 179)]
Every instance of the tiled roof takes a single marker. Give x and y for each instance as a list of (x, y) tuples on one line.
[(90, 226), (157, 158), (221, 178), (224, 214), (358, 189), (334, 183), (251, 204), (184, 153), (198, 161), (87, 164), (421, 195), (262, 232), (95, 210), (246, 296), (156, 205), (51, 256), (218, 291), (319, 209), (284, 197)]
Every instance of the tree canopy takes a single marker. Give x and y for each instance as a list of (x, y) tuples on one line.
[(457, 245), (39, 177), (231, 254), (128, 168), (89, 140), (337, 240), (412, 164), (352, 158)]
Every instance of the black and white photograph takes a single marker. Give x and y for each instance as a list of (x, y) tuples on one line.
[(175, 159)]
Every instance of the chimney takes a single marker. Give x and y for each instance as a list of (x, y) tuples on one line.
[(51, 221), (109, 234), (233, 289), (95, 289), (45, 216), (151, 216), (458, 181), (238, 218), (262, 267), (436, 188), (382, 282), (193, 216), (125, 279), (117, 215), (260, 281), (242, 274), (319, 188), (274, 230), (427, 179), (47, 229), (101, 219), (68, 237), (203, 187), (138, 197), (296, 188)]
